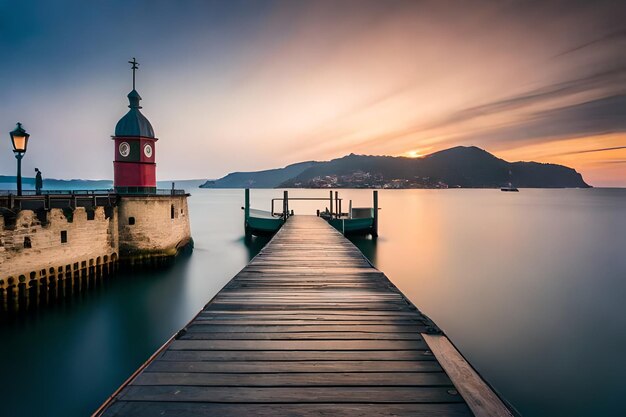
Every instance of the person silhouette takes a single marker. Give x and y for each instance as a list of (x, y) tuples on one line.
[(38, 182)]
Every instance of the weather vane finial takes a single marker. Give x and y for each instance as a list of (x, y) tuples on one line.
[(135, 67)]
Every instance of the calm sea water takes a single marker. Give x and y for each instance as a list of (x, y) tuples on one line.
[(530, 286)]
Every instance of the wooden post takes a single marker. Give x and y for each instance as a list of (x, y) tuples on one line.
[(246, 207), (375, 225), (46, 203), (350, 210), (331, 204), (337, 213), (13, 297), (285, 204), (340, 210)]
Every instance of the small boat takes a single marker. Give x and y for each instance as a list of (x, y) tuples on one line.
[(510, 188), (359, 221), (262, 223)]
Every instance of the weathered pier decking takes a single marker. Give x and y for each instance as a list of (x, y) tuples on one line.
[(308, 328)]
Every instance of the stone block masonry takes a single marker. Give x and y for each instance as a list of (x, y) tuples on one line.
[(152, 227), (54, 255)]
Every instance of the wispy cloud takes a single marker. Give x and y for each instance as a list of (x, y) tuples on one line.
[(614, 148)]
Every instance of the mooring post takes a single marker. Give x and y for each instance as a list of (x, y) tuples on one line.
[(340, 210), (337, 213), (331, 204), (375, 225), (350, 210), (3, 300), (285, 204), (246, 207)]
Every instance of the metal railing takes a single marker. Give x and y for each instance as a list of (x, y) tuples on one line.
[(70, 198), (27, 193), (166, 191), (339, 200)]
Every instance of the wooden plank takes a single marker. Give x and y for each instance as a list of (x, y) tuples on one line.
[(363, 314), (480, 398), (297, 345), (297, 355), (302, 336), (294, 366), (307, 321), (293, 379), (371, 395), (329, 306), (311, 326), (197, 409)]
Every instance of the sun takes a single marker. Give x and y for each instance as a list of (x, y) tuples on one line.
[(413, 154)]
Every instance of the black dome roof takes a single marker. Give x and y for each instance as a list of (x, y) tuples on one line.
[(134, 123)]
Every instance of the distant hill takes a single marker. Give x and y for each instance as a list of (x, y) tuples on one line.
[(260, 179), (8, 182), (465, 167)]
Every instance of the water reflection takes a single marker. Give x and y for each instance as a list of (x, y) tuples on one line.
[(254, 244), (367, 246)]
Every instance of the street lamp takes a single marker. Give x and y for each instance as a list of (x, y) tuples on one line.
[(19, 139)]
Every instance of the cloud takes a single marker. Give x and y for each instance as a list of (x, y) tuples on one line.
[(614, 148), (591, 118), (619, 35), (611, 80)]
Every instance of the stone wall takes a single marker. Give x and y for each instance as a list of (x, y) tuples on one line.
[(36, 252), (50, 254), (152, 226)]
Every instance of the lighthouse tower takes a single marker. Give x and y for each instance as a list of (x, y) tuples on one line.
[(134, 165), (152, 224)]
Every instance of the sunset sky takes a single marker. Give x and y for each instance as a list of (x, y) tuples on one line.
[(250, 85)]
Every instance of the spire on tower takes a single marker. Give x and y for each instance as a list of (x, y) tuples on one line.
[(134, 66), (134, 123)]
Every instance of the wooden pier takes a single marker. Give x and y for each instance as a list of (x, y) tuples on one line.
[(307, 328)]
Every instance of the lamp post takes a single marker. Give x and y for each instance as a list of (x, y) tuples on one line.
[(19, 139)]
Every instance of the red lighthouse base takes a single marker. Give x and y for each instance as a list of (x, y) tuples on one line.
[(134, 167), (131, 178)]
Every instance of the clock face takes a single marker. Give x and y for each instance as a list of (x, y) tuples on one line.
[(124, 149), (147, 150)]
